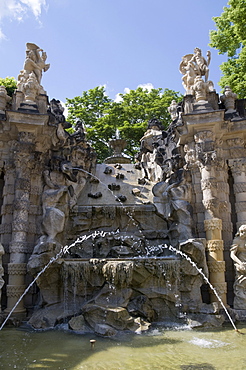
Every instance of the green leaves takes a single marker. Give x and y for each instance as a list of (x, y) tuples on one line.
[(10, 83), (230, 38), (102, 116)]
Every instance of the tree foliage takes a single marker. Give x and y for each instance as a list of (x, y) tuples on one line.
[(129, 115), (10, 83), (230, 38)]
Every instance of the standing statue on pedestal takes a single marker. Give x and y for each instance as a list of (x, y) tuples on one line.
[(34, 65), (193, 66), (238, 255)]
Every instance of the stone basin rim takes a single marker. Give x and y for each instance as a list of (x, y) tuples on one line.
[(121, 259)]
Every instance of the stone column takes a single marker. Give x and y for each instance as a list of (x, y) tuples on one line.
[(216, 264), (18, 245), (238, 169), (212, 168)]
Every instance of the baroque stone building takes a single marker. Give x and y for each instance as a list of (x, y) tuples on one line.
[(97, 235)]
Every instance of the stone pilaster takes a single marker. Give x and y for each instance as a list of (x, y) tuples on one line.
[(238, 169), (216, 264), (18, 246)]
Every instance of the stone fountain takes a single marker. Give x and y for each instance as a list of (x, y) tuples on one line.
[(116, 219)]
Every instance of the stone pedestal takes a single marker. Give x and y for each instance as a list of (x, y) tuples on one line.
[(216, 264)]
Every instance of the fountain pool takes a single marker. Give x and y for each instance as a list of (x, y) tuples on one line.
[(174, 348)]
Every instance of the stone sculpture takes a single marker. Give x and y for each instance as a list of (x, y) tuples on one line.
[(228, 98), (193, 67), (238, 255), (29, 79), (173, 110)]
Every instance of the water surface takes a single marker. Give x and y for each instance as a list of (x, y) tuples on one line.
[(183, 349)]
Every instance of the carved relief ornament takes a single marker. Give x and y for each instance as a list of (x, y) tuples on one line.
[(237, 166), (235, 142), (213, 224), (215, 245), (206, 135)]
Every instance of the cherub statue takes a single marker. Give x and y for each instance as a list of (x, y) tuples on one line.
[(238, 255)]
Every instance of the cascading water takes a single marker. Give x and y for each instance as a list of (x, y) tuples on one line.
[(199, 270)]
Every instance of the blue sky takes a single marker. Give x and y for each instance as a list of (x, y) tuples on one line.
[(117, 43)]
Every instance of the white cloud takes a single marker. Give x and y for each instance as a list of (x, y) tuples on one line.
[(17, 9), (2, 35), (149, 86), (65, 109)]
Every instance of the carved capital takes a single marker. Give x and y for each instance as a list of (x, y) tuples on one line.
[(213, 224), (215, 245), (216, 266), (17, 268)]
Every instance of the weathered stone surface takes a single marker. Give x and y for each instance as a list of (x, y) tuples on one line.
[(49, 316), (105, 330), (207, 321), (111, 296), (78, 324)]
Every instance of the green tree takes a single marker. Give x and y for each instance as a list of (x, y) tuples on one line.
[(129, 115), (10, 83), (230, 38)]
